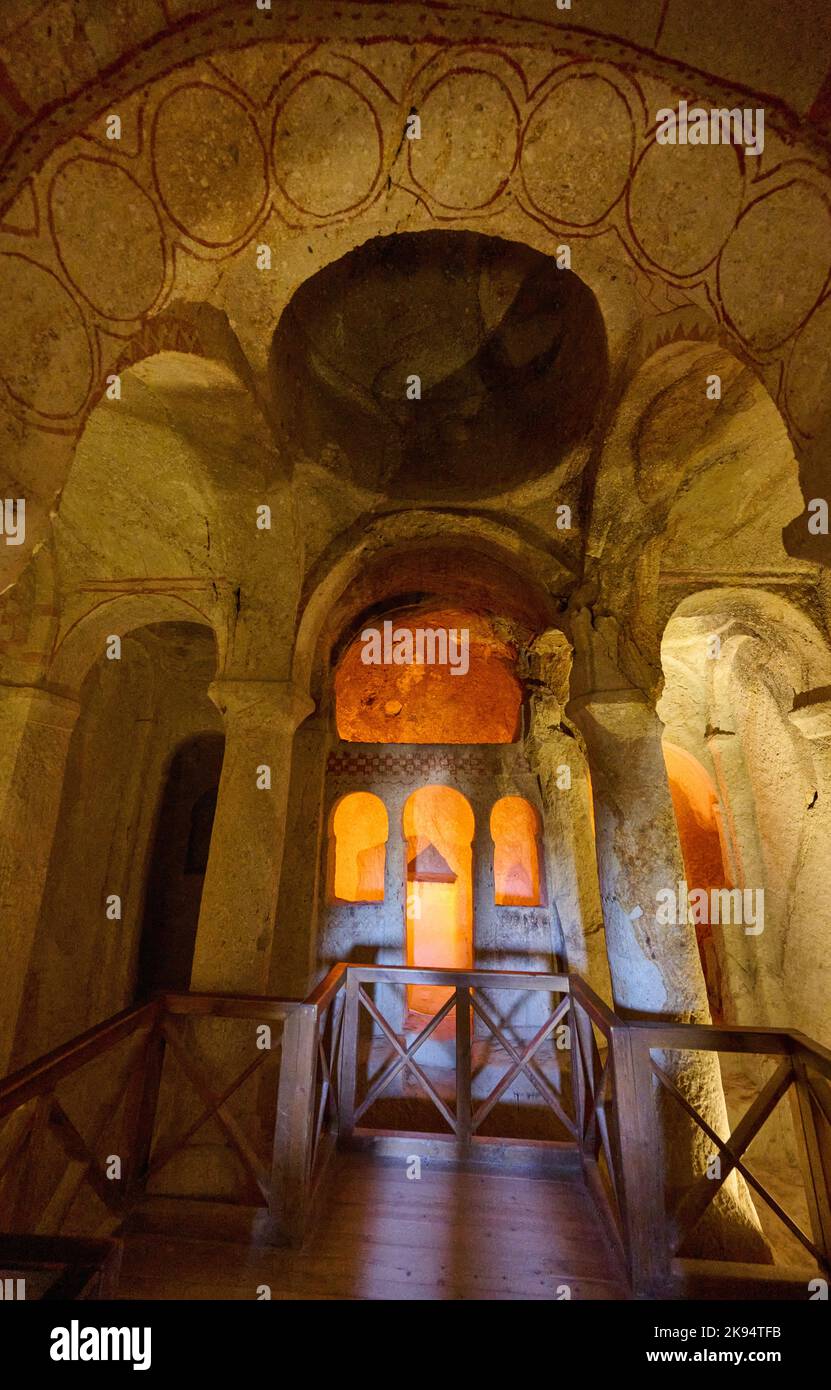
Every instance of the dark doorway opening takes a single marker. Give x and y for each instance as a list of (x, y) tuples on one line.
[(178, 864)]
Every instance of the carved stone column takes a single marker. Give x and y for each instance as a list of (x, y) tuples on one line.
[(35, 730), (655, 967), (237, 917), (556, 753), (294, 966), (808, 966), (485, 935)]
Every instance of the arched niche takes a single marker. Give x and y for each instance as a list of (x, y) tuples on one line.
[(515, 830), (438, 826), (134, 714), (747, 675), (358, 833), (420, 559)]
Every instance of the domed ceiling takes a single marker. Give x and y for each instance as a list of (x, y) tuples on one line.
[(509, 351)]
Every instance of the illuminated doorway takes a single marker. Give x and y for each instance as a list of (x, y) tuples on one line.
[(438, 825)]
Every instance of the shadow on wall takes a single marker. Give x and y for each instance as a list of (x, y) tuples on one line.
[(178, 864)]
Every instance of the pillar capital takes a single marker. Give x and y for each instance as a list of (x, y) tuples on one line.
[(260, 704), (602, 659), (548, 661)]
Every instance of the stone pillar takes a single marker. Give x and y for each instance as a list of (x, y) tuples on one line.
[(809, 973), (655, 968), (237, 918), (392, 950), (35, 730), (485, 937), (749, 962), (557, 756), (294, 965)]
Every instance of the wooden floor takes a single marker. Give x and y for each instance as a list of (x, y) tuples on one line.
[(449, 1235)]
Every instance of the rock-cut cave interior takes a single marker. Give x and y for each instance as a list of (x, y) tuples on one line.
[(415, 650)]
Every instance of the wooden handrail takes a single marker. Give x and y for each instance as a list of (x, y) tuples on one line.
[(594, 1006), (42, 1075), (322, 995), (812, 1052), (259, 1006), (440, 975), (152, 1022), (611, 1095)]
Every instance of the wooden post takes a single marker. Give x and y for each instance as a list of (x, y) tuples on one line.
[(294, 1127), (579, 1085), (140, 1109), (585, 1045), (349, 1055), (463, 1112), (23, 1216), (815, 1178), (641, 1170)]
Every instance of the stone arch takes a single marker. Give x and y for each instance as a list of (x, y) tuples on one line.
[(97, 792), (358, 830), (695, 433), (747, 680), (419, 554), (794, 639), (183, 424), (83, 639)]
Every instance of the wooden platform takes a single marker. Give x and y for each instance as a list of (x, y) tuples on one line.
[(452, 1234)]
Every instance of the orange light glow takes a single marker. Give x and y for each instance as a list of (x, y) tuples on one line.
[(698, 816), (438, 824), (516, 863), (428, 702), (359, 831)]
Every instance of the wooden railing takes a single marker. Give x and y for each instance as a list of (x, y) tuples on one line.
[(38, 1191), (88, 1129), (618, 1081), (156, 1081), (464, 1115), (308, 1104), (601, 1075), (802, 1075)]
